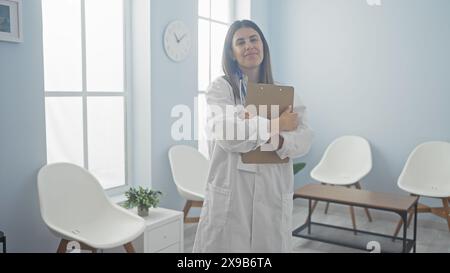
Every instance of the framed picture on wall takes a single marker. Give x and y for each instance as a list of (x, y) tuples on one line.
[(11, 21)]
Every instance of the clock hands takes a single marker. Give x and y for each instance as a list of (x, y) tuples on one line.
[(179, 39), (182, 37), (176, 37)]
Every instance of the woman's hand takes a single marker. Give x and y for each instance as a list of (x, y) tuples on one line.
[(248, 114), (288, 121)]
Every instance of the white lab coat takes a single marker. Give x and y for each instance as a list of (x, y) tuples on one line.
[(248, 208)]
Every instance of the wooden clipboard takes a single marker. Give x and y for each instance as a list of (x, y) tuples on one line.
[(267, 94)]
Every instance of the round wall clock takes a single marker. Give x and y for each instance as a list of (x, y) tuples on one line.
[(177, 41)]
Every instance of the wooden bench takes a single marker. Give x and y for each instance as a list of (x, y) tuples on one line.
[(359, 198)]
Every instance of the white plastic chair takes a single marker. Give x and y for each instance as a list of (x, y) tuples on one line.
[(190, 171), (346, 161), (75, 207), (427, 173)]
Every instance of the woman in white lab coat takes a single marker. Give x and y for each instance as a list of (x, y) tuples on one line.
[(248, 207)]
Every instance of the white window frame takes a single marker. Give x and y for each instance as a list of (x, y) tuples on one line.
[(126, 94), (232, 17), (210, 20)]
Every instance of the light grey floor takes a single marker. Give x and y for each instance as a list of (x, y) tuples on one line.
[(432, 235)]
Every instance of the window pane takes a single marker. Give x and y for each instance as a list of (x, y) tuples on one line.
[(218, 33), (106, 140), (204, 8), (104, 45), (221, 10), (203, 54), (61, 20), (64, 128)]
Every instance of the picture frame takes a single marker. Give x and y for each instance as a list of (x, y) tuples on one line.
[(11, 21)]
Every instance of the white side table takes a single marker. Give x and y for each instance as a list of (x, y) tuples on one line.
[(163, 233)]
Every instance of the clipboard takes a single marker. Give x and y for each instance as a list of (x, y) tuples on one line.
[(267, 94)]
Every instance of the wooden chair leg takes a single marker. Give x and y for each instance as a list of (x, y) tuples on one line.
[(445, 202), (62, 246), (328, 203), (129, 248), (326, 207), (397, 228), (314, 206), (186, 209), (352, 213), (315, 202), (191, 204), (358, 186), (400, 223)]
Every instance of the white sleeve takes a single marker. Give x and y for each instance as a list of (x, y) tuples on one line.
[(225, 122), (297, 143)]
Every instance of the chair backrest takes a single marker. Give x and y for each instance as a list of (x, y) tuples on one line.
[(428, 167), (189, 170), (348, 155), (69, 195)]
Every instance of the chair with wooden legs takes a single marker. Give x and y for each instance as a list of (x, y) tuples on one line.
[(75, 208), (346, 161), (189, 171), (427, 174)]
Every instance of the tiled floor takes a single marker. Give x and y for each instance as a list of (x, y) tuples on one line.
[(432, 235)]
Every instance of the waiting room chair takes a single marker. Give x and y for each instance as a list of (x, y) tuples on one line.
[(346, 161), (190, 171), (427, 174), (75, 207)]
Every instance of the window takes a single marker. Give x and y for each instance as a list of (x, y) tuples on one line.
[(86, 90), (214, 18)]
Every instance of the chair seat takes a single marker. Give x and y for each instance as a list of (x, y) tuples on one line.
[(190, 195), (107, 231), (336, 179), (426, 192)]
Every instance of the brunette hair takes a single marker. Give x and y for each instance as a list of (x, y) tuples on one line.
[(230, 65)]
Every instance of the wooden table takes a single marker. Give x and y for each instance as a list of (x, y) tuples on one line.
[(359, 198)]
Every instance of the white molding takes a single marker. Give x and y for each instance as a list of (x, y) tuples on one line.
[(141, 101), (84, 85)]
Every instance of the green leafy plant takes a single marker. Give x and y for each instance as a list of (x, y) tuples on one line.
[(298, 167), (143, 199)]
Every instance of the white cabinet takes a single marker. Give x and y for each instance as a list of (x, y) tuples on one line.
[(163, 232)]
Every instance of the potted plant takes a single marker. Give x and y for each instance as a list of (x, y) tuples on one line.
[(298, 167), (143, 199)]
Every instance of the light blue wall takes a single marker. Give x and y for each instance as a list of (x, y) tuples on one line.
[(379, 72), (172, 84), (261, 15), (22, 137)]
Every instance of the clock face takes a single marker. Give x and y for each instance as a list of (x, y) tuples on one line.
[(177, 41)]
